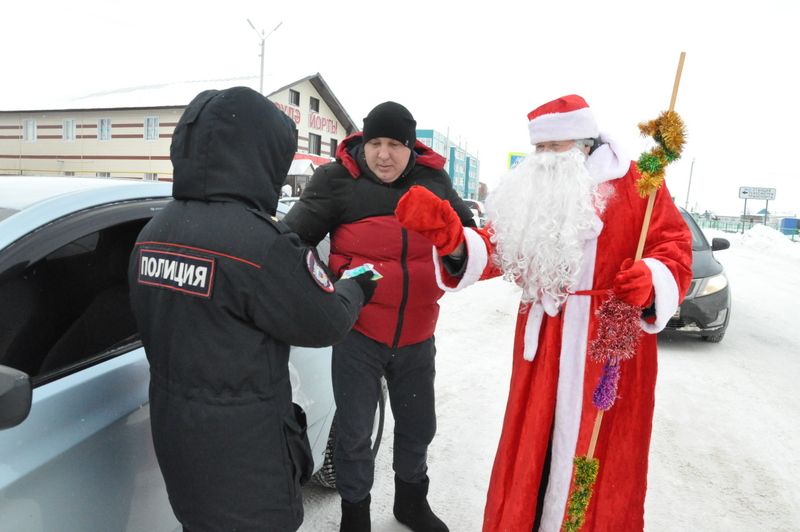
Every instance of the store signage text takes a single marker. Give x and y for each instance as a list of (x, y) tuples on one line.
[(291, 112), (316, 121)]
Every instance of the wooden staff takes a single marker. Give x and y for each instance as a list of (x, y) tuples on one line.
[(640, 249)]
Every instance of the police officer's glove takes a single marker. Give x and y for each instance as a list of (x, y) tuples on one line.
[(367, 284)]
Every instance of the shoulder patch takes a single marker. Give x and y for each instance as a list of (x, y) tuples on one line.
[(177, 271), (317, 271)]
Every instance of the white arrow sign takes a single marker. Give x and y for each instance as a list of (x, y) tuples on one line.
[(756, 193)]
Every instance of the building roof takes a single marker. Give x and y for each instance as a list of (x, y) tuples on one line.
[(301, 167), (158, 96), (325, 91)]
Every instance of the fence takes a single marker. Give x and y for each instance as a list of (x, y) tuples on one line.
[(732, 225)]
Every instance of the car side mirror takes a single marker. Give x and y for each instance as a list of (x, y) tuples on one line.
[(15, 397), (719, 243)]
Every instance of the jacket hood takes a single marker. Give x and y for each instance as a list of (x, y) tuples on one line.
[(232, 145), (422, 155)]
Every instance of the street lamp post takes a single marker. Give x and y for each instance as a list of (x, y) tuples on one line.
[(691, 169), (263, 38)]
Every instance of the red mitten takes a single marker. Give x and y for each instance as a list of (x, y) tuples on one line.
[(423, 211), (633, 283)]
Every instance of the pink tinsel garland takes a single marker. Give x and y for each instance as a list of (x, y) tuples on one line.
[(618, 330), (617, 338)]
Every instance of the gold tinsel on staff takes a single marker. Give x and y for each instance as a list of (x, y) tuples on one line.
[(668, 132)]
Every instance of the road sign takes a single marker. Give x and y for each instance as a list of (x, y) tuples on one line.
[(756, 193), (514, 158)]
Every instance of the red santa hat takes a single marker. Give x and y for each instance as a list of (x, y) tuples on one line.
[(566, 118)]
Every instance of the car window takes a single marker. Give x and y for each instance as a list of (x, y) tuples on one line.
[(70, 307), (698, 238), (87, 244)]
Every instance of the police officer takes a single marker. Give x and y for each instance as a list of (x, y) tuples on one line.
[(220, 289)]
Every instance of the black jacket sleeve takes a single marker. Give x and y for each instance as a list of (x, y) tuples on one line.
[(461, 208), (314, 215), (299, 304)]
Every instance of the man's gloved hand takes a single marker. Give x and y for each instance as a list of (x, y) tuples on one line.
[(424, 212), (367, 285), (633, 283)]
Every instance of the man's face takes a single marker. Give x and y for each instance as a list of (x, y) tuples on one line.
[(387, 158), (558, 146)]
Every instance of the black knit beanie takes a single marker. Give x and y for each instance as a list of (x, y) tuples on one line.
[(393, 121)]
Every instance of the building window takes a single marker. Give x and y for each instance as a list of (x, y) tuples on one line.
[(315, 104), (151, 128), (68, 130), (103, 174), (314, 144), (150, 176), (294, 97), (104, 130), (69, 174), (29, 130), (334, 145)]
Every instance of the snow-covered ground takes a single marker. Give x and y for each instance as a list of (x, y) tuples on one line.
[(725, 454)]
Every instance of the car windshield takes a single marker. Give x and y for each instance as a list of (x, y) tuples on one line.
[(698, 238)]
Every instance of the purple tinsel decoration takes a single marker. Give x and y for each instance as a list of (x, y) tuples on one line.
[(606, 392)]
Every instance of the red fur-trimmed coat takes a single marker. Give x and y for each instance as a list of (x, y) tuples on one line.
[(551, 394)]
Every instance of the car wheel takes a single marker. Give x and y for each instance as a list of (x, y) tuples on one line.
[(326, 476), (714, 338)]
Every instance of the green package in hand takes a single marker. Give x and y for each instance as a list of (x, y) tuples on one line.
[(358, 270)]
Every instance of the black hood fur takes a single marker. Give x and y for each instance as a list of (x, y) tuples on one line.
[(232, 145)]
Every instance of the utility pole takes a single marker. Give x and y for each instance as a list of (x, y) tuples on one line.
[(691, 169), (263, 38)]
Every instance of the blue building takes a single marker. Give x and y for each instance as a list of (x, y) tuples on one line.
[(463, 167)]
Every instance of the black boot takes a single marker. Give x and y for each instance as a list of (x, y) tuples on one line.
[(411, 507), (355, 516)]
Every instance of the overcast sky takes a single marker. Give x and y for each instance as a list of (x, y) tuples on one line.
[(473, 70)]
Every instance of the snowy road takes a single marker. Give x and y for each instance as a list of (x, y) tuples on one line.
[(725, 454), (726, 443)]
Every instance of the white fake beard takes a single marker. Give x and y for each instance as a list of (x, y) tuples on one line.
[(541, 213)]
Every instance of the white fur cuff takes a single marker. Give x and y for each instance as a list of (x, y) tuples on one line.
[(666, 295), (477, 260)]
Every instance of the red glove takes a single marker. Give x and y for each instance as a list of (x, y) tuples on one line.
[(423, 211), (633, 283)]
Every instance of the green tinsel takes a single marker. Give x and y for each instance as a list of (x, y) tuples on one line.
[(671, 155), (649, 163), (585, 476), (668, 132)]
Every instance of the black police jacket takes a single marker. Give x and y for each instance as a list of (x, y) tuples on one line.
[(220, 289)]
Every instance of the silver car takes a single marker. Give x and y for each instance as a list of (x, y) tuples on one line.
[(75, 444)]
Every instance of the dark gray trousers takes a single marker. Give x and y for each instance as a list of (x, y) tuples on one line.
[(358, 364)]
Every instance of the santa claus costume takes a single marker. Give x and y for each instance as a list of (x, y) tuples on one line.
[(549, 415)]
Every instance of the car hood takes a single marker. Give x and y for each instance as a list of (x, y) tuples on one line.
[(232, 145)]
